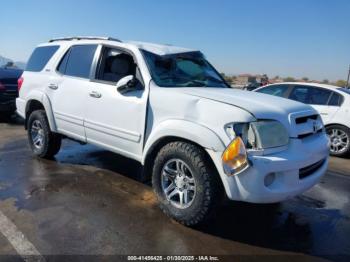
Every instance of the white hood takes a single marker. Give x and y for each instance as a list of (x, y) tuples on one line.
[(261, 106)]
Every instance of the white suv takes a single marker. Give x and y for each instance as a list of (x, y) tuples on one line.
[(169, 109)]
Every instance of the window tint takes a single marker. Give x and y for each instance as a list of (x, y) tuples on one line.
[(114, 65), (63, 64), (40, 57), (310, 95), (276, 90), (335, 100), (80, 60)]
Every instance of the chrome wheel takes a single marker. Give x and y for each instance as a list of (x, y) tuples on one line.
[(339, 140), (37, 134), (178, 183)]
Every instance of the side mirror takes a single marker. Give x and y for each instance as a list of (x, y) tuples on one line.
[(126, 84)]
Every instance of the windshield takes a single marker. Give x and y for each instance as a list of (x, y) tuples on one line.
[(183, 70)]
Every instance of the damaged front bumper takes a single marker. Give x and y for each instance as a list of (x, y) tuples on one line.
[(276, 177)]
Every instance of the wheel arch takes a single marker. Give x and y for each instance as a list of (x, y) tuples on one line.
[(37, 101), (178, 130), (336, 124)]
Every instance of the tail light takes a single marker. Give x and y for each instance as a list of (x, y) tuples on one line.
[(2, 87), (20, 82)]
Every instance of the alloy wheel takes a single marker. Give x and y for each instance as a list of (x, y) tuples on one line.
[(178, 183), (37, 134), (339, 140)]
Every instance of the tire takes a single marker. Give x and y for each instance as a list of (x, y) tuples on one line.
[(50, 142), (204, 182), (340, 140)]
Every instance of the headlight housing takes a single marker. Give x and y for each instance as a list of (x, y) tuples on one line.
[(260, 135), (257, 135)]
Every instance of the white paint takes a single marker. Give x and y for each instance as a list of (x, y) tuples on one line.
[(18, 240), (131, 123)]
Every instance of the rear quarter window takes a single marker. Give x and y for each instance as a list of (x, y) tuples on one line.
[(79, 62), (40, 57)]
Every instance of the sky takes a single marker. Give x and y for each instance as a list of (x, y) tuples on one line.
[(299, 38)]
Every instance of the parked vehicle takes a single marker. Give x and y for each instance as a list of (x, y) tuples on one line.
[(8, 89), (168, 108), (332, 102)]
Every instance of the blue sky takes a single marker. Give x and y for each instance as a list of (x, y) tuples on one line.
[(278, 37)]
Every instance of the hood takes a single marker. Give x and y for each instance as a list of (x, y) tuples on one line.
[(261, 106)]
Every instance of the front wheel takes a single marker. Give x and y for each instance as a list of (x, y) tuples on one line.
[(340, 140), (43, 142), (186, 185)]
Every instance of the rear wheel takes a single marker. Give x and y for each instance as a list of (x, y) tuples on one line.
[(340, 140), (43, 142), (187, 187)]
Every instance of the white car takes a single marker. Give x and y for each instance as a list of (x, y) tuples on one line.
[(332, 103), (169, 109)]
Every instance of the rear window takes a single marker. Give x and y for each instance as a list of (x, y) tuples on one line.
[(79, 61), (335, 100), (40, 57)]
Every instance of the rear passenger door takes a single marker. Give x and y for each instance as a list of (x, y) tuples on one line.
[(317, 97), (69, 89)]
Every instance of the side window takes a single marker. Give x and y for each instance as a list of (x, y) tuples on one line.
[(114, 65), (63, 64), (40, 57), (80, 60), (276, 90), (310, 95), (336, 100)]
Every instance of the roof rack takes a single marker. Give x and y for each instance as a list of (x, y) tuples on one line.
[(83, 38)]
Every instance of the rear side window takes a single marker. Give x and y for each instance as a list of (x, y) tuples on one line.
[(40, 57), (310, 95), (63, 64), (78, 61), (276, 90), (336, 100)]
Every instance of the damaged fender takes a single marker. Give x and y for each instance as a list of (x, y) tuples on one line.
[(184, 129)]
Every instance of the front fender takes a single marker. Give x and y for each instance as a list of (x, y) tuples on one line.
[(184, 129)]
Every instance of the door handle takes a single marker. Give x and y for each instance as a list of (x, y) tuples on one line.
[(53, 86), (95, 94)]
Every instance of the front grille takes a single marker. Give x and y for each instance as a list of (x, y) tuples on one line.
[(304, 119), (309, 170), (309, 134)]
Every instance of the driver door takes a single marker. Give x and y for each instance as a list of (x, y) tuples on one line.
[(113, 120)]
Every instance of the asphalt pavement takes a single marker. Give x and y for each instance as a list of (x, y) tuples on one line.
[(88, 201)]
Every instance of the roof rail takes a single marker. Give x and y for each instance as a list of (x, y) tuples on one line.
[(84, 38)]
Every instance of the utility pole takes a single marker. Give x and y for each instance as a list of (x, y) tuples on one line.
[(347, 82)]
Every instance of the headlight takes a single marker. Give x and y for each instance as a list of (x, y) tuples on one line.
[(234, 158), (261, 134)]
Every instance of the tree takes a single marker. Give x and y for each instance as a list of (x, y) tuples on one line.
[(305, 79), (289, 79), (341, 83), (325, 81)]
